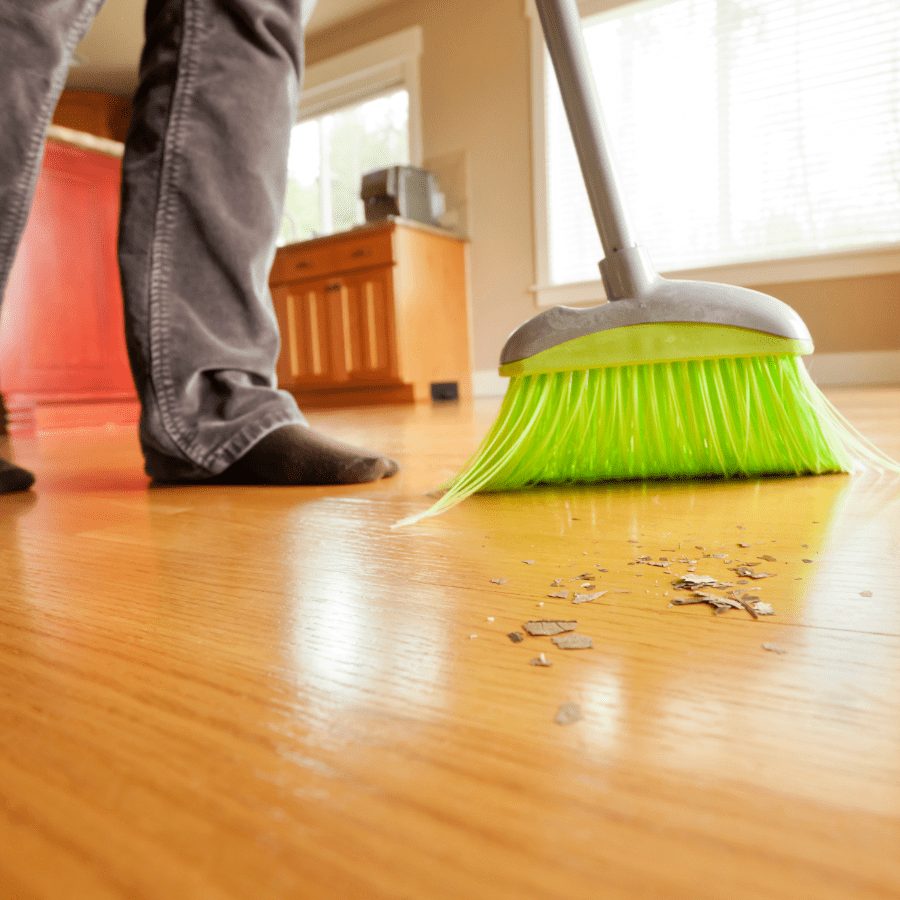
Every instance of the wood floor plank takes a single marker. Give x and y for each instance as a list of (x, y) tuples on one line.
[(246, 692)]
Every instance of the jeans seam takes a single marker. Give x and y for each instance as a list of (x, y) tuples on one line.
[(160, 367)]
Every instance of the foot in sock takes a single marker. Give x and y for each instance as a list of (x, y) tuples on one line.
[(297, 455), (13, 478)]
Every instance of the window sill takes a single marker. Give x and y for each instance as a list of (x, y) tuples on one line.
[(855, 264)]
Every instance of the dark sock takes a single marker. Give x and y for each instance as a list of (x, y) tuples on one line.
[(13, 478), (296, 455)]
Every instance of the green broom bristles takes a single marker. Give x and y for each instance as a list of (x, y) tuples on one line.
[(725, 417)]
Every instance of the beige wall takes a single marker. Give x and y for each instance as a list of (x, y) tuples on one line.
[(846, 315), (474, 88), (475, 99)]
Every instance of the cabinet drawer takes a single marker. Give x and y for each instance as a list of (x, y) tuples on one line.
[(362, 251), (302, 261), (313, 260)]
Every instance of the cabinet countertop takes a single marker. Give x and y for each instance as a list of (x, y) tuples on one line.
[(372, 227)]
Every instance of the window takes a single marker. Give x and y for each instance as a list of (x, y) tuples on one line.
[(359, 111), (328, 157), (744, 130)]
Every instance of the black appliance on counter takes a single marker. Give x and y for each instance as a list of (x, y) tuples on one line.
[(404, 191)]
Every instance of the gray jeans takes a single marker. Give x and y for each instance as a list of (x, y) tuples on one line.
[(202, 194)]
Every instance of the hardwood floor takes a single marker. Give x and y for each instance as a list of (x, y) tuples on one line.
[(223, 693)]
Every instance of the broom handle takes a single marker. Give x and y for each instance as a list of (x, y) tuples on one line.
[(624, 273)]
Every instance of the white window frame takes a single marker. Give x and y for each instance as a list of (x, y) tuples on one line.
[(356, 75), (874, 261)]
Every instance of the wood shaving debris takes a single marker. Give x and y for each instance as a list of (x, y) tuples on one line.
[(557, 582), (744, 545), (688, 581), (549, 626), (516, 637), (723, 604), (696, 597), (499, 581), (747, 572), (763, 609), (540, 661), (567, 714), (775, 648), (583, 577), (573, 642), (559, 595), (586, 598), (768, 558), (602, 570), (865, 593), (746, 605), (692, 582), (528, 562), (807, 560), (718, 555)]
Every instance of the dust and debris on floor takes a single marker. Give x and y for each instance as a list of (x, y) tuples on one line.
[(549, 627), (690, 586), (587, 598), (573, 641)]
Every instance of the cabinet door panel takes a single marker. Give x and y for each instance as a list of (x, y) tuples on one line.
[(303, 319), (368, 325)]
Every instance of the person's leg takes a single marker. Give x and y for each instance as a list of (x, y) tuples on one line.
[(36, 43), (203, 189)]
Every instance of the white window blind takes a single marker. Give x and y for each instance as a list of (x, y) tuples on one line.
[(743, 130)]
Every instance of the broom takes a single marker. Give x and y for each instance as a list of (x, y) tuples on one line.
[(670, 379)]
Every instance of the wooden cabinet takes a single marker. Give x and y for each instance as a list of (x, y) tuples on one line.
[(375, 315)]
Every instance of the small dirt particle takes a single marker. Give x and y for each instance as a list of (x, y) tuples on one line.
[(567, 714)]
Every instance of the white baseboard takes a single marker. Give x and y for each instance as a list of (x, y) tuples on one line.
[(872, 367), (489, 383)]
